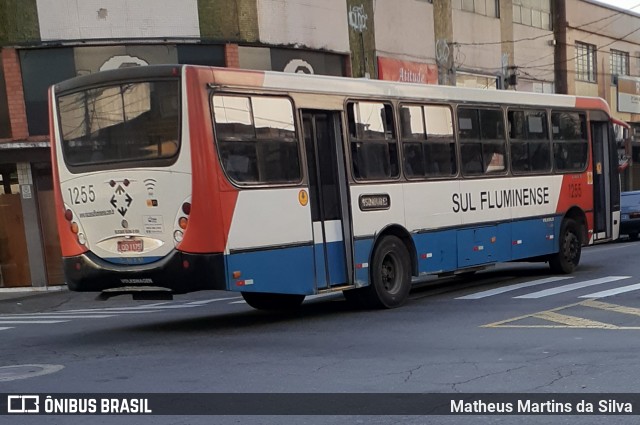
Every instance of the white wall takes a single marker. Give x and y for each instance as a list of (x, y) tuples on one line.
[(533, 53), (91, 19), (404, 30), (479, 38), (307, 23)]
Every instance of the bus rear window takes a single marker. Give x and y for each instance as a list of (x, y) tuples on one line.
[(121, 123)]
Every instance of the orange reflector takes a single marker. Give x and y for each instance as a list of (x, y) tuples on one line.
[(183, 222), (236, 275), (185, 264), (74, 227)]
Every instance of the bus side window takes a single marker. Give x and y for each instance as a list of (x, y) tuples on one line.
[(374, 154), (441, 156), (570, 146), (469, 135), (413, 139), (256, 139), (492, 140), (482, 141), (529, 141), (428, 144)]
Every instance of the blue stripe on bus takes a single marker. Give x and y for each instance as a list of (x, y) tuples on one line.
[(294, 270), (337, 264), (283, 270), (362, 252), (455, 249)]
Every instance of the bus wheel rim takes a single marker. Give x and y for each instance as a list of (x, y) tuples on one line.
[(389, 273)]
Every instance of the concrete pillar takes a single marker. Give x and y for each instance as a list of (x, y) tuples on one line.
[(37, 266), (443, 35)]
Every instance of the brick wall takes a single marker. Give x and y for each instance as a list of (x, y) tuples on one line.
[(231, 56), (15, 94)]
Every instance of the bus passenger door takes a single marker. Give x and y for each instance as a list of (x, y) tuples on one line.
[(602, 181), (327, 196)]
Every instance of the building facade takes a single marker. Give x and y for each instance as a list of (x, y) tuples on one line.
[(572, 46)]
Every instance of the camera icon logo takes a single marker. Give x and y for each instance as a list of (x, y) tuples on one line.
[(23, 404)]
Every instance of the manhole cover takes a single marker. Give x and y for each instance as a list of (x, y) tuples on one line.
[(24, 371)]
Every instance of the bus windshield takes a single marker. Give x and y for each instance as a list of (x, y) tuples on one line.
[(120, 123)]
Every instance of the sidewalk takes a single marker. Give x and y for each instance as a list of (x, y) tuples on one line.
[(22, 292)]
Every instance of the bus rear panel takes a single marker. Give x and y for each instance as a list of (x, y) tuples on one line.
[(124, 183)]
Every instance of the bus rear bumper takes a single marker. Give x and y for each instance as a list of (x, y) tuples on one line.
[(179, 272)]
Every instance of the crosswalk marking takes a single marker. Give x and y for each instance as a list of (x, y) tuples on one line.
[(509, 288), (571, 287), (24, 322), (202, 302), (53, 316), (614, 291), (151, 307), (98, 312)]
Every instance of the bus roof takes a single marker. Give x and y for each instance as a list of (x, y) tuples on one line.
[(354, 87)]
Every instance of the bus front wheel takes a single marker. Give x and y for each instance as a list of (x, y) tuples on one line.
[(567, 258), (265, 301), (390, 275)]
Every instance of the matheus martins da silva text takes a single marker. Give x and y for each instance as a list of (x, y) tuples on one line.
[(549, 406)]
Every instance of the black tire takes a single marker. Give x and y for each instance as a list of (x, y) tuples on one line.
[(390, 274), (265, 301), (567, 258)]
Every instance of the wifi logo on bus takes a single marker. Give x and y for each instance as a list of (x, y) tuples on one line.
[(150, 184)]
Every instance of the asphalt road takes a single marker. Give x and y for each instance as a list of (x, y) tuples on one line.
[(512, 329)]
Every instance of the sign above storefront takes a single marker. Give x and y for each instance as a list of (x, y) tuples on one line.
[(629, 94), (407, 71)]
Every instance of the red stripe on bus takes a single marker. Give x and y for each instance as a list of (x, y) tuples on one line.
[(592, 103), (69, 244), (212, 202)]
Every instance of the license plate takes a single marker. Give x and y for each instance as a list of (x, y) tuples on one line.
[(130, 245)]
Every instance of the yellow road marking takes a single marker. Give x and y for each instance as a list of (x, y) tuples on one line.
[(572, 321), (526, 316), (612, 307), (566, 321)]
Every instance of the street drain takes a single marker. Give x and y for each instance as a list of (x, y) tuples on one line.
[(24, 371)]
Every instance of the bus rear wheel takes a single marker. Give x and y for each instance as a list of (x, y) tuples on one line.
[(567, 258), (390, 275), (266, 301)]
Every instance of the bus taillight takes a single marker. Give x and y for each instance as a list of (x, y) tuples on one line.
[(68, 215), (183, 222), (186, 208)]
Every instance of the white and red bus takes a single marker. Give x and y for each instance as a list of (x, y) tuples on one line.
[(278, 186)]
